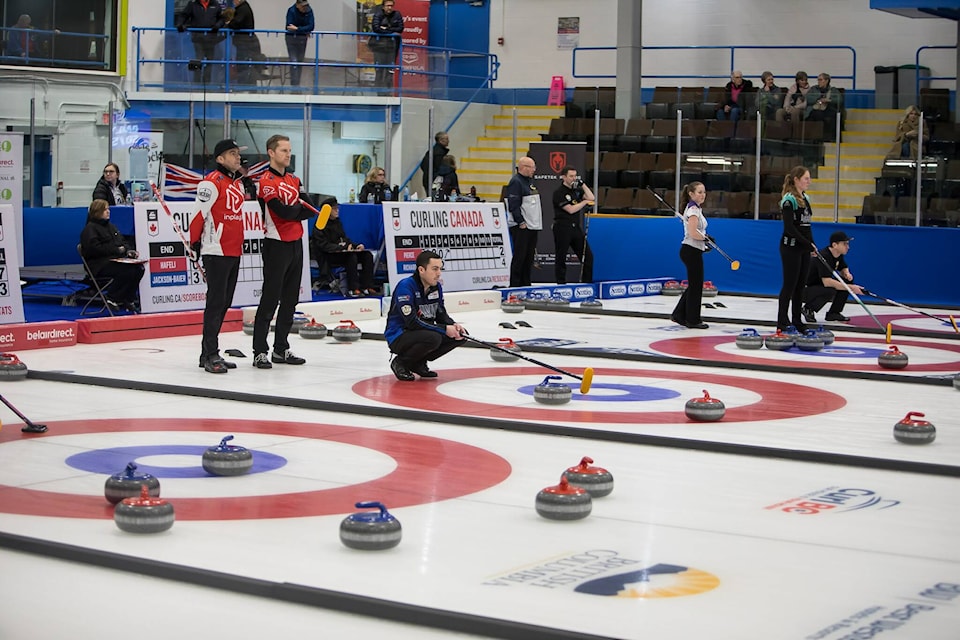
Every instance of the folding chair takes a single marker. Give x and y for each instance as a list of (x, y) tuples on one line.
[(98, 284)]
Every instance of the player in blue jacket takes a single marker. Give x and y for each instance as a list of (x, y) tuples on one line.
[(418, 327)]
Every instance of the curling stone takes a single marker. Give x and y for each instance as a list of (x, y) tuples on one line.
[(535, 302), (313, 330), (512, 304), (683, 285), (11, 368), (591, 303), (670, 288), (248, 328), (227, 459), (548, 392), (557, 301), (127, 483), (809, 341), (346, 331), (370, 530), (143, 514), (749, 339), (893, 359), (596, 480), (564, 502), (910, 431), (497, 355), (709, 290), (705, 409), (299, 319), (778, 341), (792, 331), (826, 335)]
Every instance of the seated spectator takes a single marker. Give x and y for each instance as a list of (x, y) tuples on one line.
[(110, 188), (734, 97), (823, 103), (377, 188), (769, 97), (102, 246), (795, 104), (905, 143), (340, 251), (20, 43), (449, 182)]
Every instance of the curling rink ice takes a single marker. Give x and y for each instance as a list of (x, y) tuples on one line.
[(796, 516)]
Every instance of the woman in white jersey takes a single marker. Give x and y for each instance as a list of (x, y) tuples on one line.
[(687, 311)]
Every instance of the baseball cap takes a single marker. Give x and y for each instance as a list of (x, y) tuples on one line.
[(226, 145), (839, 236), (300, 3)]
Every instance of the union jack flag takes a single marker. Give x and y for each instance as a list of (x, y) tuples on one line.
[(180, 183)]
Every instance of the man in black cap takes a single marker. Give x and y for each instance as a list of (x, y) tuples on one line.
[(822, 286), (216, 234)]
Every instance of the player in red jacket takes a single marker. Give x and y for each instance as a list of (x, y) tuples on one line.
[(218, 231)]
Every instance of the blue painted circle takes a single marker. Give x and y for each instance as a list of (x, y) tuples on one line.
[(628, 392), (115, 459), (843, 352)]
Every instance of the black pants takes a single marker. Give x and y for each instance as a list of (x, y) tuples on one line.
[(350, 260), (565, 236), (524, 249), (126, 280), (386, 56), (816, 296), (222, 272), (296, 50), (248, 50), (282, 270), (829, 119), (687, 311), (417, 346), (205, 48), (796, 264)]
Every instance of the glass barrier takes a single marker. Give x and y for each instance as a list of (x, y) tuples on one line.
[(55, 48)]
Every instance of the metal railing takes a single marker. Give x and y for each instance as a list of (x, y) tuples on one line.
[(917, 66), (733, 49), (55, 48), (341, 62)]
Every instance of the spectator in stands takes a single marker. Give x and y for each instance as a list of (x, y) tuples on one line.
[(449, 182), (906, 143), (245, 41), (769, 97), (795, 104), (299, 25), (205, 19), (525, 220), (441, 147), (102, 246), (340, 251), (377, 187), (385, 43), (823, 103), (20, 42), (734, 97), (110, 188)]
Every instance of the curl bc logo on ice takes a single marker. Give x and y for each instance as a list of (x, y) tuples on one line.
[(834, 500)]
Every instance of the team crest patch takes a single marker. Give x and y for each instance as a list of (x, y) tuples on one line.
[(406, 309), (204, 194)]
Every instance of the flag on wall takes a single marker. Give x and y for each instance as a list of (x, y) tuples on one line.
[(180, 183)]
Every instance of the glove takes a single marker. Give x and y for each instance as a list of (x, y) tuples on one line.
[(181, 28), (709, 238), (214, 30), (195, 251)]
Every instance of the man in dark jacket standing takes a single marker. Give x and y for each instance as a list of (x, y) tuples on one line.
[(299, 25), (385, 43), (441, 147), (205, 17), (246, 42)]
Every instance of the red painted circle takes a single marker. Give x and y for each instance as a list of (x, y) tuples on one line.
[(779, 400), (705, 348), (428, 470)]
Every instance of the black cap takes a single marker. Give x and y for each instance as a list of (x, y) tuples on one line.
[(839, 236), (226, 145)]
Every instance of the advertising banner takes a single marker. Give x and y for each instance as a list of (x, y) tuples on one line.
[(11, 185), (551, 157), (470, 237), (11, 299), (414, 56), (173, 283)]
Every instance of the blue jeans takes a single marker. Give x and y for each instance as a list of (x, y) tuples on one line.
[(734, 114)]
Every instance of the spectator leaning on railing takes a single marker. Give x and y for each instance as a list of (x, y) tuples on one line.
[(205, 19), (299, 25)]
